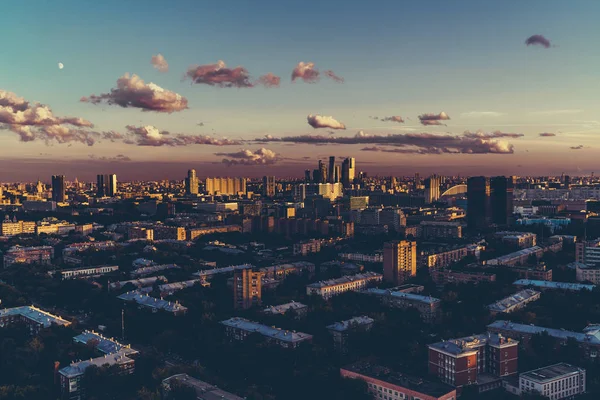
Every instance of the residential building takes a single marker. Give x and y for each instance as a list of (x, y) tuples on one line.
[(548, 285), (441, 259), (333, 287), (227, 186), (195, 233), (14, 228), (269, 186), (300, 310), (517, 258), (440, 229), (393, 218), (342, 331), (517, 240), (238, 328), (514, 302), (471, 360), (140, 233), (383, 382), (247, 288), (444, 276), (281, 271), (432, 189), (368, 258), (191, 183), (399, 261), (87, 271), (163, 232), (41, 255), (588, 253), (558, 381), (204, 390), (427, 306), (584, 273), (34, 318), (152, 303)]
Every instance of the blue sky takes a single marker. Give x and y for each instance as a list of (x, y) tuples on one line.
[(397, 58)]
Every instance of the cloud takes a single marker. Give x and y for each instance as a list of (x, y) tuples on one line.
[(309, 74), (320, 121), (481, 114), (131, 91), (576, 147), (491, 135), (330, 74), (117, 158), (219, 75), (394, 118), (35, 121), (433, 119), (160, 63), (556, 112), (262, 156), (269, 80), (547, 134), (151, 136), (538, 40), (415, 143)]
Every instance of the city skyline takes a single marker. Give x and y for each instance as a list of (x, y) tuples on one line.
[(481, 100)]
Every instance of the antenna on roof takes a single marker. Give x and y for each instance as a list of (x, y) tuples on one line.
[(122, 324)]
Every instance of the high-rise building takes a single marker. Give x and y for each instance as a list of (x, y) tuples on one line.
[(501, 199), (226, 186), (269, 186), (191, 183), (432, 189), (307, 178), (111, 185), (322, 172), (58, 188), (399, 261), (348, 171), (247, 288), (106, 185), (331, 170), (478, 202), (100, 186), (337, 174)]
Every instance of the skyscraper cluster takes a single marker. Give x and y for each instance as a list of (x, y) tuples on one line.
[(489, 201), (333, 173)]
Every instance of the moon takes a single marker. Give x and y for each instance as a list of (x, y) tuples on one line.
[(60, 65)]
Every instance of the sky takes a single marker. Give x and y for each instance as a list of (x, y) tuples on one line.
[(469, 95)]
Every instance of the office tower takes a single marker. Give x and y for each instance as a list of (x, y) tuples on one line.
[(399, 261), (417, 181), (226, 186), (111, 185), (566, 181), (307, 178), (191, 183), (247, 288), (58, 188), (269, 186), (337, 174), (330, 171), (478, 202), (432, 189), (322, 172), (501, 200), (100, 186), (348, 171)]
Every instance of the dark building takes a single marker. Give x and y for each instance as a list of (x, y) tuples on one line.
[(331, 170), (191, 182), (269, 186), (307, 178), (106, 185), (58, 188), (478, 202), (501, 200)]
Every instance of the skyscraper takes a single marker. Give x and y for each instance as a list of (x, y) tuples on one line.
[(58, 188), (337, 174), (478, 202), (330, 171), (399, 261), (247, 288), (100, 186), (322, 172), (191, 183), (432, 189), (106, 185), (501, 199), (269, 186), (348, 171)]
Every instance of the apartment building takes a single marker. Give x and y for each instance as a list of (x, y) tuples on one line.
[(441, 259), (247, 288), (238, 328), (584, 273), (87, 271), (41, 255), (514, 302), (333, 287), (558, 381), (343, 330), (440, 229), (34, 318), (443, 277), (427, 306)]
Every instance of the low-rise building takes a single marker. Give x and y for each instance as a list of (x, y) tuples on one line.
[(444, 276), (383, 382), (547, 285), (585, 273), (238, 328), (341, 331), (427, 306), (558, 381), (333, 287), (152, 303), (138, 283), (195, 233), (368, 258), (440, 229), (279, 272), (518, 240), (34, 318), (204, 390), (300, 310), (441, 259), (87, 271), (514, 302), (41, 255), (152, 269), (520, 257)]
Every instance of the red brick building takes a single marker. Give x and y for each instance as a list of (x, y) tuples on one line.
[(473, 359)]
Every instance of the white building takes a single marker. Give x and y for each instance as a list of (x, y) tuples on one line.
[(559, 381), (333, 287)]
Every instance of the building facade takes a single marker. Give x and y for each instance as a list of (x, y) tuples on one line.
[(399, 261)]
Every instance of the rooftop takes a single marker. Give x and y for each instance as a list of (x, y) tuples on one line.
[(408, 296), (283, 308), (516, 299), (204, 390), (591, 334), (36, 315), (471, 343), (222, 270), (78, 368), (350, 323), (151, 269), (152, 302), (347, 279), (269, 331), (510, 256), (549, 373), (553, 285), (103, 344), (433, 389)]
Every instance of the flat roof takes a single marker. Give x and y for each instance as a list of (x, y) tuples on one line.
[(469, 344), (350, 323), (103, 344), (379, 372), (553, 285), (36, 315), (346, 279), (78, 368), (222, 270), (513, 300), (283, 308), (204, 390), (520, 253), (152, 302), (551, 372), (269, 331), (409, 296), (591, 334)]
